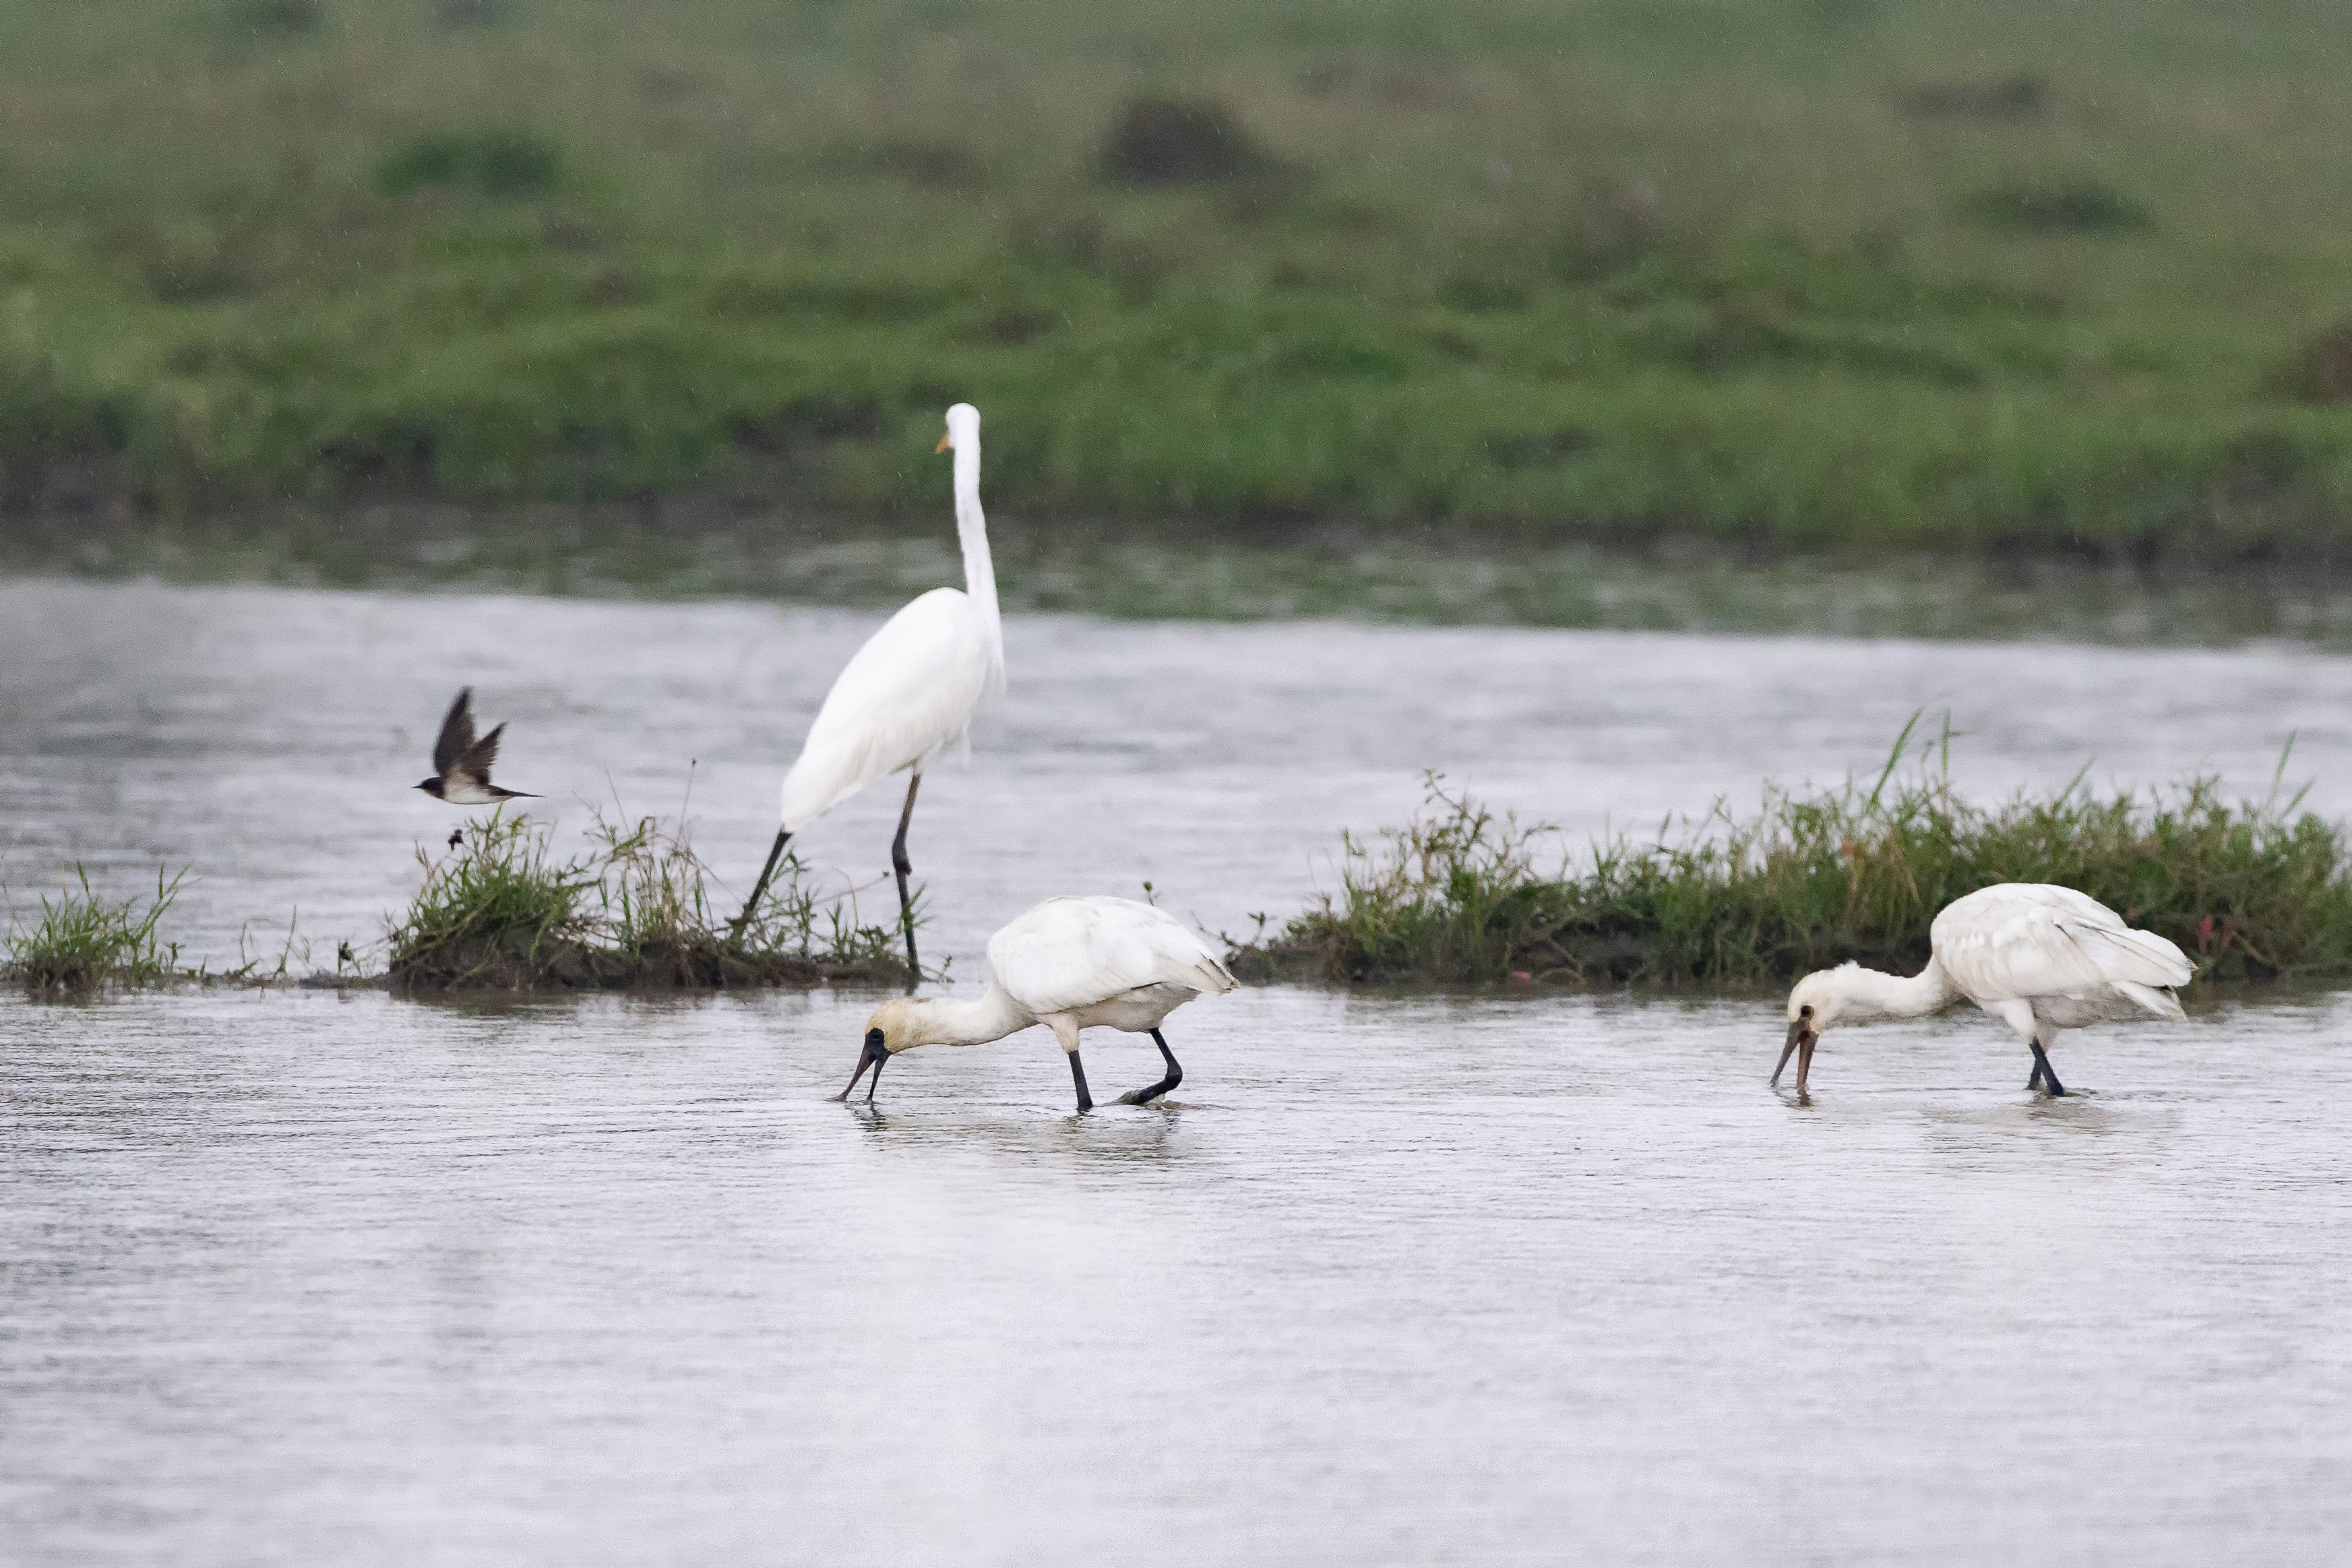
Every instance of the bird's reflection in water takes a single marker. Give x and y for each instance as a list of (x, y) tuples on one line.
[(1119, 1134)]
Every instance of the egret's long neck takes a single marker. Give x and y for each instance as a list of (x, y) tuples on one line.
[(1871, 994), (978, 569), (995, 1015)]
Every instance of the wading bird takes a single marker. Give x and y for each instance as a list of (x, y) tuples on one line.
[(905, 699), (1069, 964), (2040, 958), (461, 765)]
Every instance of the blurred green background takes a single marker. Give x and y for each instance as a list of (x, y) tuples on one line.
[(1977, 278)]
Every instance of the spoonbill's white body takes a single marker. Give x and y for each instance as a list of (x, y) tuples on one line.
[(1070, 964), (906, 698), (2041, 959)]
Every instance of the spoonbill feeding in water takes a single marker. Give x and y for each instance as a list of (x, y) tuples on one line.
[(1069, 964), (905, 699), (2039, 957)]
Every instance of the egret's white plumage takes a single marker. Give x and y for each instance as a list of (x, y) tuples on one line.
[(904, 701), (2042, 959), (906, 698), (1070, 964)]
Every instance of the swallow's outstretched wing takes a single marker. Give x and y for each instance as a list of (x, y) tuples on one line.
[(473, 765), (457, 737)]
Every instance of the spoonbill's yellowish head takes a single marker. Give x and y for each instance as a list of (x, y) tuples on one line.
[(1812, 1007), (893, 1025)]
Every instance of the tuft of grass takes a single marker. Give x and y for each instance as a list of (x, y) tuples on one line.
[(1994, 101), (1178, 141), (82, 943), (2250, 891), (273, 19), (2064, 206), (506, 912), (2320, 371), (501, 162), (502, 909)]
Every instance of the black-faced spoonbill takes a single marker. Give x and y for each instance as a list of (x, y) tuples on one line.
[(2039, 957), (906, 699), (1069, 964)]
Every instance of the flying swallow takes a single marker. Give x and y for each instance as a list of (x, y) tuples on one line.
[(461, 765)]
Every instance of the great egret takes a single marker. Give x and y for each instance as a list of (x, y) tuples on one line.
[(1069, 964), (905, 699), (2039, 957)]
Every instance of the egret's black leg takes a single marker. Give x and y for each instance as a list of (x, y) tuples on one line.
[(760, 888), (900, 863), (1175, 1076), (2049, 1074), (1079, 1077), (2035, 1081)]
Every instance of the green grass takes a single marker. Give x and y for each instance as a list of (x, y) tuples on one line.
[(82, 943), (2251, 890), (1813, 274), (504, 911)]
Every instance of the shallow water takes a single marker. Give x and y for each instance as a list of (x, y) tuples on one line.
[(300, 1278)]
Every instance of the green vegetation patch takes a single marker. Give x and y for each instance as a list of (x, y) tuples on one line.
[(2250, 891), (501, 162), (505, 912), (1809, 276), (82, 944)]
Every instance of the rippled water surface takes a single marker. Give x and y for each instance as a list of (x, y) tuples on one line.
[(301, 1278)]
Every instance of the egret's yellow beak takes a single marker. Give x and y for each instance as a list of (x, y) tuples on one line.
[(943, 446)]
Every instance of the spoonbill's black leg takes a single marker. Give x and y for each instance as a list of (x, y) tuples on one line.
[(2035, 1081), (1175, 1076), (900, 863), (2042, 1065), (775, 853), (1079, 1077)]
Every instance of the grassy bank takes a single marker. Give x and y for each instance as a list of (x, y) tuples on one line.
[(80, 943), (2249, 891), (503, 911), (1814, 272)]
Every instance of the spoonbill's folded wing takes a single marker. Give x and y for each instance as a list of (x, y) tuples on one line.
[(1071, 953), (2022, 940)]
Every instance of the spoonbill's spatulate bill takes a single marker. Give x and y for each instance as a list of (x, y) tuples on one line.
[(906, 699), (1070, 964), (461, 765), (2041, 959)]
